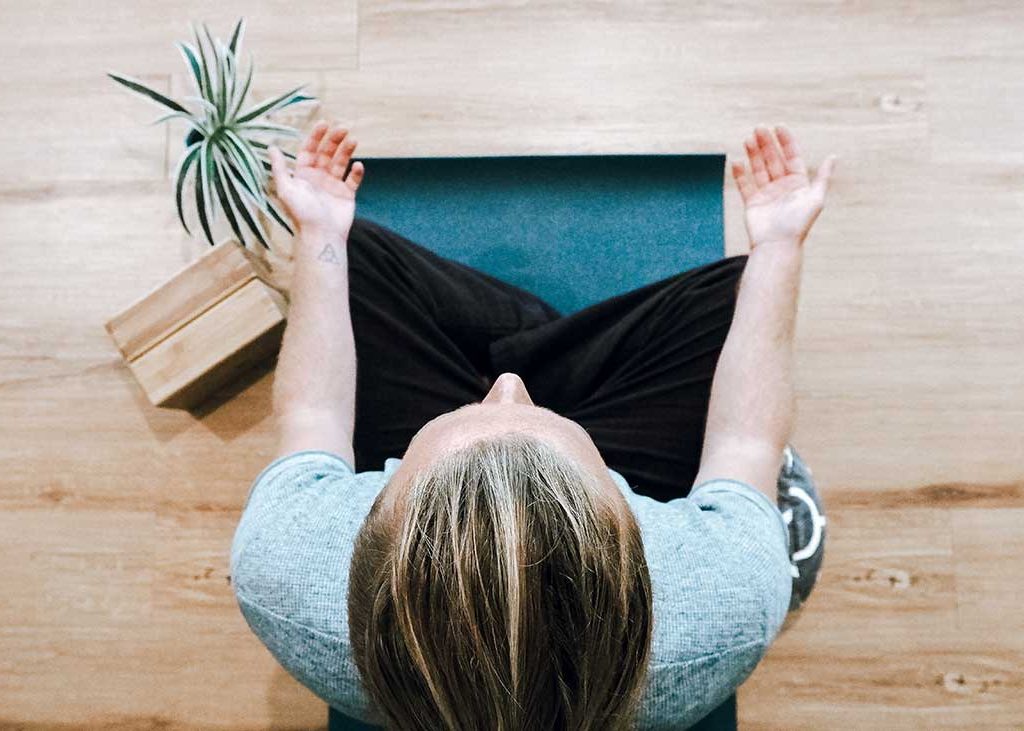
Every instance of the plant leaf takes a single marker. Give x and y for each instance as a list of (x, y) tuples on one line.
[(246, 161), (139, 87), (276, 128), (263, 145), (205, 104), (246, 151), (204, 68), (260, 146), (219, 91), (243, 210), (236, 36), (181, 173), (224, 203), (236, 104), (190, 118), (269, 105), (220, 54), (231, 71), (263, 201), (203, 189), (193, 63), (299, 98), (277, 217), (226, 75)]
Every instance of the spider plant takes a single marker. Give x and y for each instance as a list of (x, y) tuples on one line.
[(227, 144)]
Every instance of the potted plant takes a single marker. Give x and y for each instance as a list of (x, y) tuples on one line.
[(189, 335)]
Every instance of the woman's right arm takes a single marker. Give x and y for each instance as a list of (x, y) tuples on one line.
[(752, 406)]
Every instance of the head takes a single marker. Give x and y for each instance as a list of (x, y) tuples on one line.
[(499, 580)]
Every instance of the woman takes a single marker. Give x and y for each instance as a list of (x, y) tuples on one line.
[(600, 548)]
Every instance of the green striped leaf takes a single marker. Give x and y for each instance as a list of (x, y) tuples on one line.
[(224, 202), (264, 146), (246, 151), (277, 217), (269, 105), (203, 67), (189, 118), (236, 36), (220, 76), (203, 191), (193, 64), (247, 163), (237, 103), (243, 210), (137, 86), (268, 127), (207, 106), (184, 165), (232, 74)]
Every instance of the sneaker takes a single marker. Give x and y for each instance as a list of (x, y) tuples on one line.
[(801, 508)]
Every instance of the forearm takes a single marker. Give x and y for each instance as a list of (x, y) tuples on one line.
[(315, 383), (752, 406)]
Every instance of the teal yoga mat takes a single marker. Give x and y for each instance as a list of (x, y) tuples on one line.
[(573, 230)]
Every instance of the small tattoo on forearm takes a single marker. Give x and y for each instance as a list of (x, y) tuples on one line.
[(329, 255)]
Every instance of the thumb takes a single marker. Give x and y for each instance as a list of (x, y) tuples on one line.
[(278, 168), (823, 176)]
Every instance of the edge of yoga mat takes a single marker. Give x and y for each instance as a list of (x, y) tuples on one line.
[(572, 229)]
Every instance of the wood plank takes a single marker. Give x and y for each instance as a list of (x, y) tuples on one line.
[(880, 563), (884, 674), (990, 572), (101, 133), (898, 331), (877, 649), (54, 38)]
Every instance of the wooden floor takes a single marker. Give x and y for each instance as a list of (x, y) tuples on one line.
[(116, 517)]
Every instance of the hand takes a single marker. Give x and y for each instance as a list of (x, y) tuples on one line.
[(781, 201), (316, 196)]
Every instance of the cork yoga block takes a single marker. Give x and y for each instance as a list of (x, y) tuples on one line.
[(202, 327)]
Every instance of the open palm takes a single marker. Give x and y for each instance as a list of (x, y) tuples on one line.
[(318, 195), (781, 201)]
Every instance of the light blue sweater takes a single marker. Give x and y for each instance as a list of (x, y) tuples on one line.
[(718, 561)]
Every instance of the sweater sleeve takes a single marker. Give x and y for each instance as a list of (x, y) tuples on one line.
[(753, 541), (282, 481), (289, 569)]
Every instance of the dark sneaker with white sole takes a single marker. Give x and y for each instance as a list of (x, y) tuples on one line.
[(801, 508)]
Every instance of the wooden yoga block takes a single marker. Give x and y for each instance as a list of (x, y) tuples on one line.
[(200, 328)]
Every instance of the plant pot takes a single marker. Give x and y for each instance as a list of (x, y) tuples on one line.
[(203, 326)]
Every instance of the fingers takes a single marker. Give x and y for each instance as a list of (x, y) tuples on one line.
[(743, 181), (757, 166), (824, 176), (277, 167), (330, 149), (328, 145), (339, 161), (355, 177), (790, 152), (307, 154), (770, 153)]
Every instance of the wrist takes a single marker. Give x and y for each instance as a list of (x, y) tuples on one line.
[(319, 234), (781, 247), (777, 260)]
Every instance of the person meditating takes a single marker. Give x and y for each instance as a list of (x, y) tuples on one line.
[(485, 515)]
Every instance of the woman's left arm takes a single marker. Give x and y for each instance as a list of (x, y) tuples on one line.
[(315, 381)]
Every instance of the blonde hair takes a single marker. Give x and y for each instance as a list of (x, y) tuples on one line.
[(512, 594)]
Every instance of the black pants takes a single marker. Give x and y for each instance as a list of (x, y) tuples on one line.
[(634, 370)]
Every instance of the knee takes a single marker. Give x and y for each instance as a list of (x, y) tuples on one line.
[(367, 241)]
